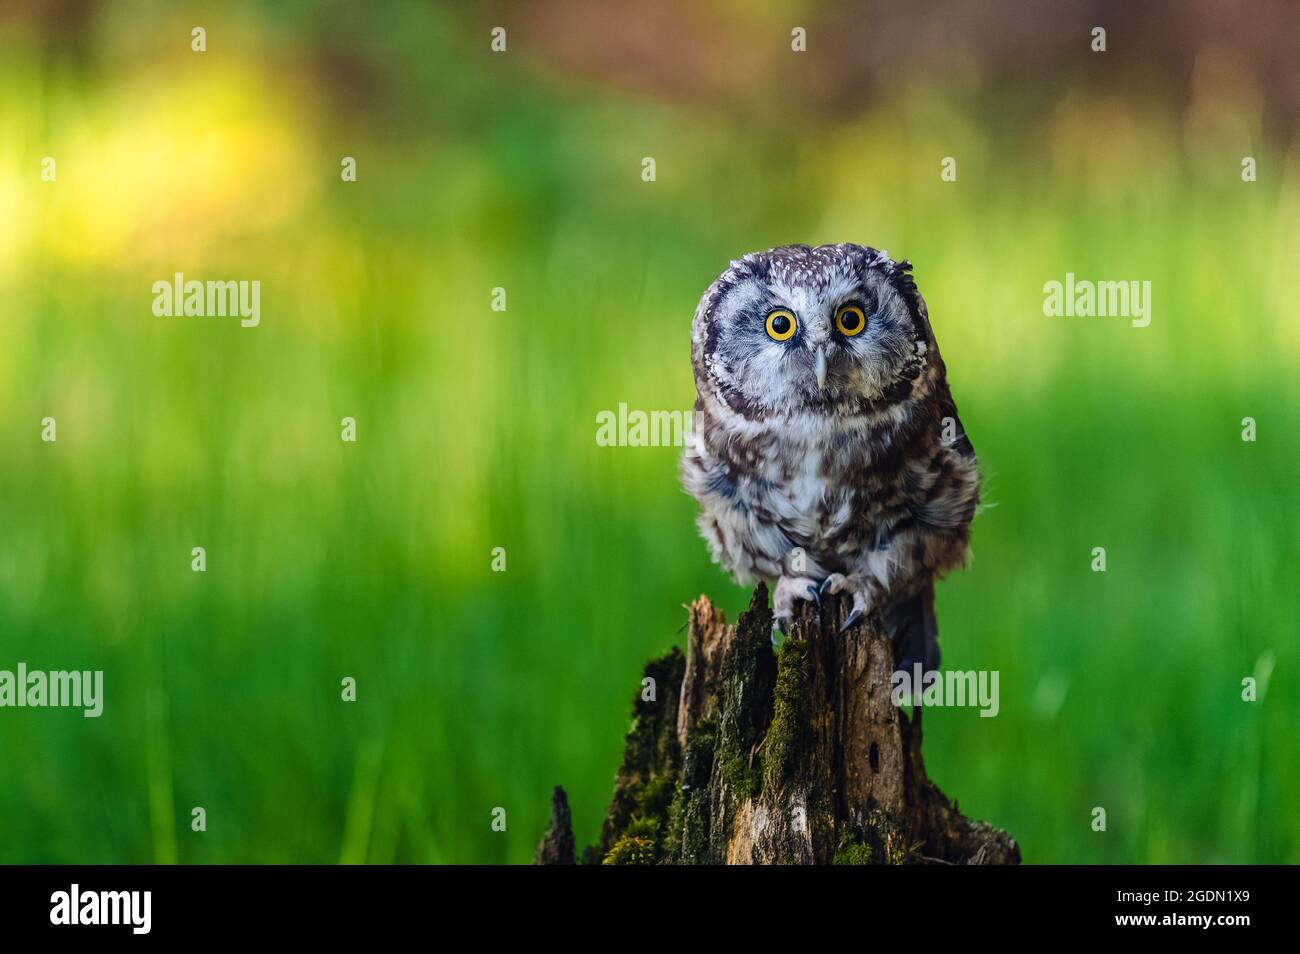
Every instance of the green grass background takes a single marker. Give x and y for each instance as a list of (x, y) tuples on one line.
[(476, 430)]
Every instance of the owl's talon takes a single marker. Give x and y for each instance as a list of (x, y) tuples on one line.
[(814, 594), (833, 583), (859, 587), (789, 589)]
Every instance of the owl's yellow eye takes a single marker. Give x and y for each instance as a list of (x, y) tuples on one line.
[(780, 325), (850, 320)]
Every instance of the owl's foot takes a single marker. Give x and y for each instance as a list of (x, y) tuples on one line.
[(788, 589), (862, 595)]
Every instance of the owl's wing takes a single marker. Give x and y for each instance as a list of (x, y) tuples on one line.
[(914, 631), (948, 409)]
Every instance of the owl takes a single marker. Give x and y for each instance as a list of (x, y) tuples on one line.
[(826, 453)]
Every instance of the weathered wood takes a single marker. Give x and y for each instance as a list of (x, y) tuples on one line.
[(556, 847), (742, 755)]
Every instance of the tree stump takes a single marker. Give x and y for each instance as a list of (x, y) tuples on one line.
[(739, 754)]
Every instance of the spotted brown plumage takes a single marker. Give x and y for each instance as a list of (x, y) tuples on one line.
[(831, 458)]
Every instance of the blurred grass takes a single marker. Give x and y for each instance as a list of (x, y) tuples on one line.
[(476, 430)]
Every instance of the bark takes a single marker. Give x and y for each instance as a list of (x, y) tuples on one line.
[(739, 754), (557, 844)]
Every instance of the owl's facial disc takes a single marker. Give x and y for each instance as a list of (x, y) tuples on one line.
[(809, 330)]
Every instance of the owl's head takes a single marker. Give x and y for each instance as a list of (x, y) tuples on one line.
[(831, 329)]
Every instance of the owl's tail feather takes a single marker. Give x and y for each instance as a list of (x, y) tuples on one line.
[(914, 631)]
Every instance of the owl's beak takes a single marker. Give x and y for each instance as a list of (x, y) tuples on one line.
[(819, 366)]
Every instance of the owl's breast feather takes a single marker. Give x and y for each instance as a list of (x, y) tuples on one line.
[(763, 494)]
